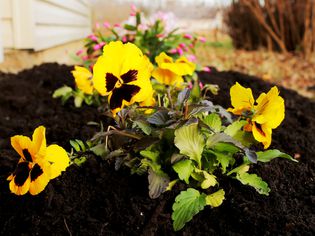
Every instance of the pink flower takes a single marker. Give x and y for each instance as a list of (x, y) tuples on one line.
[(106, 24), (201, 85), (124, 39), (206, 69), (173, 51), (188, 36), (191, 58), (84, 58), (133, 7), (97, 25), (190, 85), (180, 51), (183, 46), (102, 44), (97, 47), (191, 45), (202, 39), (143, 27), (93, 37), (79, 52), (133, 14), (160, 35), (117, 25)]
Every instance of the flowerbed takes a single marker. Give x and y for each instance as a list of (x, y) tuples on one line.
[(97, 200)]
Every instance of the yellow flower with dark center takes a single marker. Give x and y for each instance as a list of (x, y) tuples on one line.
[(171, 73), (266, 114), (38, 163), (123, 74), (83, 79)]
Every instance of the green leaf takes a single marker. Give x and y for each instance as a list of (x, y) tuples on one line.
[(79, 161), (151, 155), (78, 101), (159, 118), (182, 97), (226, 147), (75, 145), (272, 154), (99, 150), (235, 131), (144, 126), (187, 204), (130, 27), (81, 144), (158, 183), (184, 168), (223, 159), (222, 138), (254, 181), (213, 121), (235, 127), (209, 181), (215, 199), (190, 142), (63, 91)]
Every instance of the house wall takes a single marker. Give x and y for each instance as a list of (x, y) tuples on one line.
[(41, 24)]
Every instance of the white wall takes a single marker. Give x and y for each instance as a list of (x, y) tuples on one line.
[(41, 24)]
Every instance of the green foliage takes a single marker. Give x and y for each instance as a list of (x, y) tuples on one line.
[(187, 204), (215, 199), (269, 155), (190, 142), (254, 181), (184, 168)]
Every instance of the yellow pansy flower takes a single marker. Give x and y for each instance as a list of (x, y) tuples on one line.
[(171, 73), (83, 79), (38, 163), (265, 114), (123, 74)]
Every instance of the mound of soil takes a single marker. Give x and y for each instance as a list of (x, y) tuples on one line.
[(97, 200)]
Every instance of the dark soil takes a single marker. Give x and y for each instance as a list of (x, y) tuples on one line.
[(97, 200)]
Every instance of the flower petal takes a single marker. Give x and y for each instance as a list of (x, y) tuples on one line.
[(20, 143), (270, 109), (167, 77), (262, 133), (39, 142), (20, 179), (83, 78), (241, 99), (58, 158), (40, 176)]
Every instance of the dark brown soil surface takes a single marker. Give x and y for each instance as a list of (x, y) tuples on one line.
[(97, 200)]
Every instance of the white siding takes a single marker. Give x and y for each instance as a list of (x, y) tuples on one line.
[(6, 23), (40, 24), (60, 21)]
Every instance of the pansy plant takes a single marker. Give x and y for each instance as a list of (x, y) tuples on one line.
[(175, 136), (192, 144), (38, 163)]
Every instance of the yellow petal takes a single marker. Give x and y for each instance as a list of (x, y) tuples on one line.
[(20, 142), (181, 67), (262, 134), (39, 176), (20, 190), (58, 158), (163, 58), (167, 77), (270, 109), (83, 79), (20, 179), (241, 99), (39, 142)]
